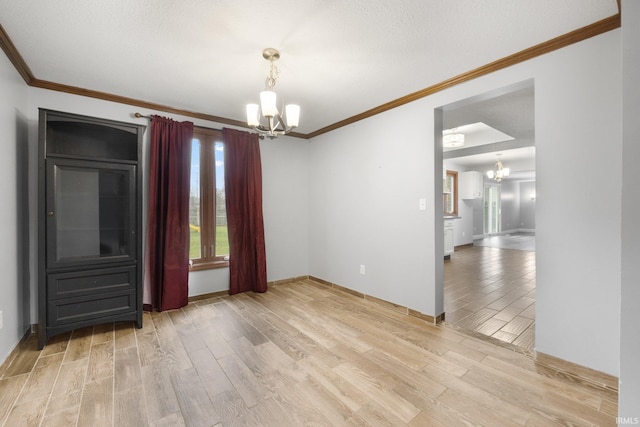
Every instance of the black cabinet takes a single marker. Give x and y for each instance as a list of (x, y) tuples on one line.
[(89, 219)]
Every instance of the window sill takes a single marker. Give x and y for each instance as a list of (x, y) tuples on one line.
[(208, 265)]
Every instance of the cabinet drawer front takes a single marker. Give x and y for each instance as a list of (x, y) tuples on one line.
[(70, 310), (90, 282)]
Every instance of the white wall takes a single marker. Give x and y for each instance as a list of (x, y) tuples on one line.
[(629, 405), (14, 289), (366, 180)]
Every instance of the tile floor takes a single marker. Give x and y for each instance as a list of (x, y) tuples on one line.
[(490, 288)]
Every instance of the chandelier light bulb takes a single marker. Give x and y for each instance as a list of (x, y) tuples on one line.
[(292, 112), (268, 103)]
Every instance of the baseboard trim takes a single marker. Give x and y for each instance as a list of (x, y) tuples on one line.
[(10, 358), (577, 372), (466, 245), (218, 294), (289, 280), (390, 305), (208, 295)]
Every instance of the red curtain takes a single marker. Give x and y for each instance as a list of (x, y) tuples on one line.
[(167, 255), (243, 192)]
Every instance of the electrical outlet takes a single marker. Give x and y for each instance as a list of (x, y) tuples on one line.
[(362, 269)]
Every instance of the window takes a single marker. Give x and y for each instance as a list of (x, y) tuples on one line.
[(209, 243), (450, 194)]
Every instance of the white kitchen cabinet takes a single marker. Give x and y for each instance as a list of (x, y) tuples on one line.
[(448, 237), (471, 185)]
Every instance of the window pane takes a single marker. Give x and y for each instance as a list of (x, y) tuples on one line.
[(222, 239), (194, 203)]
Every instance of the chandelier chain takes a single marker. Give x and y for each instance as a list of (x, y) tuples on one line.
[(274, 73)]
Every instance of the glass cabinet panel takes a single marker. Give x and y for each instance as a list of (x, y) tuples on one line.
[(90, 212)]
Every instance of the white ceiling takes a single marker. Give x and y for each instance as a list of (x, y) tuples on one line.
[(338, 58)]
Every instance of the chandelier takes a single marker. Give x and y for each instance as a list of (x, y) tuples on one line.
[(498, 172), (452, 139), (265, 118)]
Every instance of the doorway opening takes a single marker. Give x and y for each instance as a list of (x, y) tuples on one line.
[(489, 278)]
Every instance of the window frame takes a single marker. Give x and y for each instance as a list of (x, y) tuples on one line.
[(454, 194), (208, 138)]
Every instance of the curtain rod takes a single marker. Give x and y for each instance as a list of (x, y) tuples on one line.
[(142, 116)]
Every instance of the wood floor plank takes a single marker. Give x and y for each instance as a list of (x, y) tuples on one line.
[(100, 361), (125, 335), (127, 374), (42, 378), (57, 344), (347, 393), (129, 409), (251, 390), (80, 344), (96, 409), (306, 354), (386, 398), (27, 414), (102, 333), (159, 394), (67, 392), (25, 359), (195, 405), (232, 409), (172, 420), (213, 378), (270, 413), (9, 391), (554, 407), (149, 349), (64, 418), (518, 325)]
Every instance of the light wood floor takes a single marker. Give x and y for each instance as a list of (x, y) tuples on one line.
[(300, 354), (492, 291)]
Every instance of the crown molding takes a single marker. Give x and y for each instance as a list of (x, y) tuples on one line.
[(559, 42), (14, 56)]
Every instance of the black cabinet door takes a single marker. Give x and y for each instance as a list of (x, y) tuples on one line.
[(90, 212)]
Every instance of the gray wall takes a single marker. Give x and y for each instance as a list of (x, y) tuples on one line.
[(510, 205), (14, 213), (527, 191), (518, 209), (630, 312), (366, 180)]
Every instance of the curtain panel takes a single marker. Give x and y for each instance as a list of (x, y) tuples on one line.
[(243, 189), (167, 251)]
